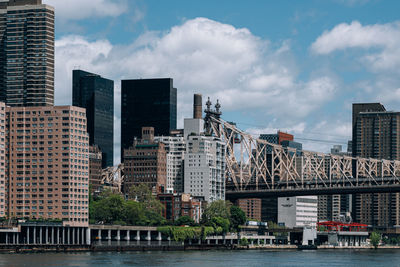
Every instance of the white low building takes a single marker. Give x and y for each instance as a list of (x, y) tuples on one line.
[(298, 211)]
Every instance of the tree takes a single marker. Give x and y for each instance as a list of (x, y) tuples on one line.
[(219, 208), (244, 242), (142, 193), (238, 217), (221, 225), (375, 238), (185, 220), (108, 209)]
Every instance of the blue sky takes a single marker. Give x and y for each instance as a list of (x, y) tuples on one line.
[(290, 65)]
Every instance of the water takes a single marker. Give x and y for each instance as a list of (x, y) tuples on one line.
[(208, 258)]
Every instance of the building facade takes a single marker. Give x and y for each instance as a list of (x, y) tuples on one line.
[(251, 207), (95, 169), (147, 103), (47, 174), (376, 134), (26, 53), (175, 147), (145, 162), (205, 168), (96, 95), (298, 211)]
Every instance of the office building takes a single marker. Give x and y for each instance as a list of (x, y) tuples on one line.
[(376, 134), (147, 103), (145, 162), (47, 175), (26, 53), (95, 169), (205, 168), (96, 95), (298, 211)]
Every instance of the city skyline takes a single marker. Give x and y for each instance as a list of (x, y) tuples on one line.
[(289, 66)]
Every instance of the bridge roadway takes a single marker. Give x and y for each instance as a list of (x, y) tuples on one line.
[(264, 193)]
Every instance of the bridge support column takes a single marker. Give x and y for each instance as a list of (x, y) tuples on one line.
[(99, 235), (118, 235), (27, 235), (159, 238), (69, 236), (128, 235), (109, 235), (137, 238), (40, 235), (52, 235), (73, 236), (88, 236), (6, 238), (148, 238), (46, 239)]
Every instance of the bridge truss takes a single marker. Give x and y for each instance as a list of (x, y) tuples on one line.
[(256, 165), (113, 177)]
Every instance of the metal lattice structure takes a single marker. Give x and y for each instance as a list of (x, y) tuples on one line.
[(113, 177), (256, 165)]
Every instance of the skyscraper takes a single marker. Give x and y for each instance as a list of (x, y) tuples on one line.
[(376, 134), (26, 53), (96, 94), (147, 103)]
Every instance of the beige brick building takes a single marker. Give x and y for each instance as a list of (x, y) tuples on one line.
[(47, 163)]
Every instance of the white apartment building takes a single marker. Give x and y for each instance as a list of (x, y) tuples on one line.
[(175, 148), (298, 211), (205, 168)]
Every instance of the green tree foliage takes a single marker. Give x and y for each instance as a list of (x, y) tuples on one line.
[(112, 208), (237, 218), (244, 242), (142, 193), (181, 234), (185, 220), (219, 208), (221, 225), (375, 239)]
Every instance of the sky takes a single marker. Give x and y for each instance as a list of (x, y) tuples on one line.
[(294, 66)]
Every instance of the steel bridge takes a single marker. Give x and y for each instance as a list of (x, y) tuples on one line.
[(257, 168)]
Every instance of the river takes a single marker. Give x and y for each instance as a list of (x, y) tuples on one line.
[(383, 257)]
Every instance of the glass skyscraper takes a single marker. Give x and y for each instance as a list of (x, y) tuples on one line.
[(96, 94), (147, 103)]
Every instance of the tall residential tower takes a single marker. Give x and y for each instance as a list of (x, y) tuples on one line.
[(26, 53)]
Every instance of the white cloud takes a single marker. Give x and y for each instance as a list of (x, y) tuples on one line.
[(78, 9), (202, 56), (352, 3), (381, 43)]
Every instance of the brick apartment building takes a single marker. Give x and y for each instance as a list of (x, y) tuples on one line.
[(44, 163)]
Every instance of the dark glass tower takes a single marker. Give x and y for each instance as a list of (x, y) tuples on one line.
[(96, 94), (147, 103)]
